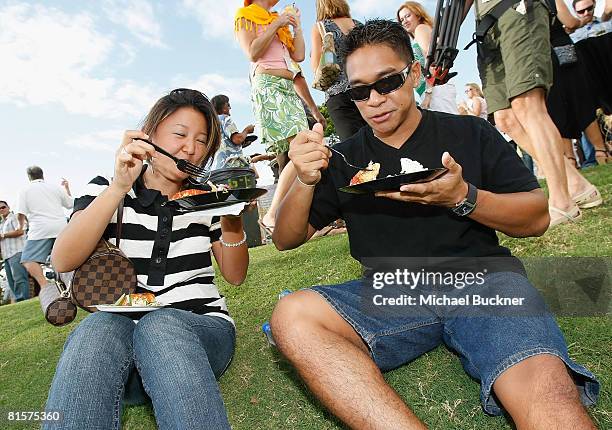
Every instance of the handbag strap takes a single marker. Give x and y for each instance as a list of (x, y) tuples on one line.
[(321, 29), (119, 221)]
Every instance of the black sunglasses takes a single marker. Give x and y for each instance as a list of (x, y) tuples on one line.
[(382, 86), (3, 207), (585, 10)]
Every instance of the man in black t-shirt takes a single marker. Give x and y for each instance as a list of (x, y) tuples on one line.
[(340, 337)]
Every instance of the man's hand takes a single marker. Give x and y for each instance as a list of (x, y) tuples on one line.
[(447, 190), (249, 129), (309, 154)]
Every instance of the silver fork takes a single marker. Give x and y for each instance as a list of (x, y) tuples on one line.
[(347, 162), (181, 164)]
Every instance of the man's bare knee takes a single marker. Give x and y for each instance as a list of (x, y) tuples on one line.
[(543, 380), (302, 316), (552, 383), (506, 121), (530, 105)]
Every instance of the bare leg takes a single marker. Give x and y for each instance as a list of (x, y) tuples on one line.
[(508, 123), (285, 180), (539, 393), (335, 364), (530, 110), (36, 272)]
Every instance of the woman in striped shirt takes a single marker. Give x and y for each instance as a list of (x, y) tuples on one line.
[(173, 355)]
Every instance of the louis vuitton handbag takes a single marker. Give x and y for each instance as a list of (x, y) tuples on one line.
[(101, 279)]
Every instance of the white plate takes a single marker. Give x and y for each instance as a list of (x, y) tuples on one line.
[(126, 309)]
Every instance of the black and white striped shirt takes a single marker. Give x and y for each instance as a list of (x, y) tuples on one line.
[(171, 252)]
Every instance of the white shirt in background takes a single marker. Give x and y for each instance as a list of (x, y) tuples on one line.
[(43, 204)]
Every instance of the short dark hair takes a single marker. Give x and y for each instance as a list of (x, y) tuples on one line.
[(34, 172), (5, 203), (378, 32), (185, 97), (576, 1), (219, 101)]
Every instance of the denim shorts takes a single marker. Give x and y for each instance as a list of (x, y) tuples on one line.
[(488, 343), (37, 250)]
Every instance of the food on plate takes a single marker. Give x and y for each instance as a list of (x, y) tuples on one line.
[(188, 193), (137, 299), (410, 166), (366, 175), (218, 188)]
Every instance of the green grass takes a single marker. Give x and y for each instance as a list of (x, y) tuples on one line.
[(260, 389)]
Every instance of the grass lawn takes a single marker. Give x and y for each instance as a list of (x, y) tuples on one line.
[(260, 389)]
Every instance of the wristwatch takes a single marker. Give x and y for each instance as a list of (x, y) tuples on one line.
[(468, 204), (429, 90)]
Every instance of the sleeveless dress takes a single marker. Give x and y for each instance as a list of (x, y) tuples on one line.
[(342, 110), (571, 101)]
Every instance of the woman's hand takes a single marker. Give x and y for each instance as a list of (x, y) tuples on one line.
[(284, 19), (129, 158)]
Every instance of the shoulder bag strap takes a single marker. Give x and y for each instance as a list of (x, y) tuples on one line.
[(322, 30), (119, 221)]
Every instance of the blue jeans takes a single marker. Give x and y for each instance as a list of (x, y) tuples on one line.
[(178, 356), (17, 277), (589, 152), (488, 340)]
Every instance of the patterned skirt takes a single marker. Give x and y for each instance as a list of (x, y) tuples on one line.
[(278, 111)]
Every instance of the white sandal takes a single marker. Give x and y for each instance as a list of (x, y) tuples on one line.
[(588, 199), (572, 216)]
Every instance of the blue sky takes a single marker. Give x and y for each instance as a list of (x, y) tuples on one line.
[(75, 75)]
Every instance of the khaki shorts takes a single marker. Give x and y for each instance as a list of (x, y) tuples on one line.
[(515, 56)]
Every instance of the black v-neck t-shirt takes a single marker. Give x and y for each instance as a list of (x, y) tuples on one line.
[(381, 227)]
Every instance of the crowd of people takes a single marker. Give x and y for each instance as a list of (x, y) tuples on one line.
[(385, 110)]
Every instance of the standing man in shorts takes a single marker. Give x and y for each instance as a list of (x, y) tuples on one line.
[(515, 66), (342, 337), (42, 204)]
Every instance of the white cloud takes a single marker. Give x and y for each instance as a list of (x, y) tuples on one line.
[(237, 89), (383, 8), (104, 141), (216, 19), (374, 8), (138, 17), (50, 57)]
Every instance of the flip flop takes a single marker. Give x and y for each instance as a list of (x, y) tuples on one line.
[(268, 229), (572, 216), (588, 199)]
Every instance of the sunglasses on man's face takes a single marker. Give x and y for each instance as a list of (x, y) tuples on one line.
[(3, 207), (382, 86), (585, 10)]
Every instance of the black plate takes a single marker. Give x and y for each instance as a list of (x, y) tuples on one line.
[(215, 199), (393, 183)]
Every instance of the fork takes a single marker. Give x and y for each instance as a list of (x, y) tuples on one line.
[(181, 164), (347, 162)]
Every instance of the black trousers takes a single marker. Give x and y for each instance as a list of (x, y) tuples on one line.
[(345, 115)]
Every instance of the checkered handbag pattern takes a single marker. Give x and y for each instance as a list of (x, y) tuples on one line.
[(56, 304), (103, 278), (61, 311)]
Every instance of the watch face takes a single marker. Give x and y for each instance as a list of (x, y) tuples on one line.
[(464, 209)]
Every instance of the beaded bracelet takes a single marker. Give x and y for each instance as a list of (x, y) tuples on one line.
[(307, 185), (235, 244)]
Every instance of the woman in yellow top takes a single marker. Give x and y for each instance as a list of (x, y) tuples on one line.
[(274, 43)]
